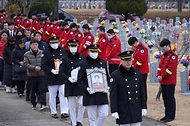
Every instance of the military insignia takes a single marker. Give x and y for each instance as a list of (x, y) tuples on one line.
[(71, 33), (114, 45), (79, 35), (142, 51), (42, 55), (111, 80), (89, 37), (103, 40), (173, 57)]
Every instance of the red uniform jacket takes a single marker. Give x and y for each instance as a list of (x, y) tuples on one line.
[(86, 41), (48, 32), (113, 49), (17, 22), (167, 68), (40, 27), (57, 31), (25, 24), (63, 40), (102, 42), (140, 58), (34, 25), (2, 44), (2, 18), (74, 35)]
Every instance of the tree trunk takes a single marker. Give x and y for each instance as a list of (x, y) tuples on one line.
[(55, 11), (180, 5)]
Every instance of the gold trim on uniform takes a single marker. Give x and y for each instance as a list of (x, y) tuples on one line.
[(158, 69), (168, 71), (138, 63)]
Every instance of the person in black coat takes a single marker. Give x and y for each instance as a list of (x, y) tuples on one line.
[(94, 101), (72, 90), (19, 77), (127, 94), (7, 76), (51, 59)]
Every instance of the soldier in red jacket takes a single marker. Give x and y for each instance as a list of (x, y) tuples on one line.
[(112, 51), (25, 23), (166, 74), (17, 20), (34, 22), (40, 26), (57, 31), (140, 58), (102, 42), (74, 34), (49, 29), (64, 34), (87, 40)]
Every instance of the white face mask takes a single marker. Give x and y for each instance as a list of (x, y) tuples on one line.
[(110, 37), (73, 49), (54, 46), (93, 55)]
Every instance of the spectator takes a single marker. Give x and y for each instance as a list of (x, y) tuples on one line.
[(36, 76), (7, 76), (19, 72)]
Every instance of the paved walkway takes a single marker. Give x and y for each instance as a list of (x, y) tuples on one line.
[(15, 111)]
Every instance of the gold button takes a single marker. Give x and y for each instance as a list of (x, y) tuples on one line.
[(128, 92), (135, 78), (128, 86), (136, 98), (71, 62), (92, 67), (136, 85), (129, 98), (135, 73), (125, 79), (100, 62), (72, 67), (136, 91)]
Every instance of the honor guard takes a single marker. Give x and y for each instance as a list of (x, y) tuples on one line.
[(127, 95), (51, 60), (74, 94), (166, 73), (95, 102)]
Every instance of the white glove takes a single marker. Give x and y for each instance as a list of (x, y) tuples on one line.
[(90, 91), (72, 80), (115, 115), (74, 73), (144, 112), (55, 72)]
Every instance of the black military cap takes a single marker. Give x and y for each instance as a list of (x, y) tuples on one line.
[(164, 42), (132, 40), (73, 42), (93, 47), (127, 55), (54, 39)]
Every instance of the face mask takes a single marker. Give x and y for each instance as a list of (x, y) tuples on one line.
[(54, 46), (110, 37), (73, 49), (93, 55)]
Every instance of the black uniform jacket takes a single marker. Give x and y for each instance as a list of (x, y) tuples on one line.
[(98, 98), (70, 62), (127, 95), (48, 57)]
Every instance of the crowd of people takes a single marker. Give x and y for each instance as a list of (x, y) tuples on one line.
[(46, 55)]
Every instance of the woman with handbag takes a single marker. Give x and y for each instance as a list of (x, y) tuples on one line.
[(19, 70)]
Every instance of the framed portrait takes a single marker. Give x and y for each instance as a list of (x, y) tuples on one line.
[(97, 79)]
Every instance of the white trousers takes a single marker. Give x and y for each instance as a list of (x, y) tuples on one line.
[(52, 99), (132, 124), (102, 114), (72, 102)]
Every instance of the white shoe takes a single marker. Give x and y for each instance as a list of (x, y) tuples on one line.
[(8, 89), (13, 90), (43, 107)]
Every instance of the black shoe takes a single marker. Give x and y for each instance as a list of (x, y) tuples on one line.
[(168, 120), (64, 115), (162, 119), (54, 116), (79, 124)]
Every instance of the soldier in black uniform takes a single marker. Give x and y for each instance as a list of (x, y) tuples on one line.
[(72, 90), (127, 95), (54, 80), (95, 102)]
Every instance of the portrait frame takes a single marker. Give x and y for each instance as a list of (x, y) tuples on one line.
[(97, 79)]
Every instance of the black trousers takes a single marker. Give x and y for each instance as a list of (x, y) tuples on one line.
[(169, 100), (144, 76), (20, 86), (37, 86)]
